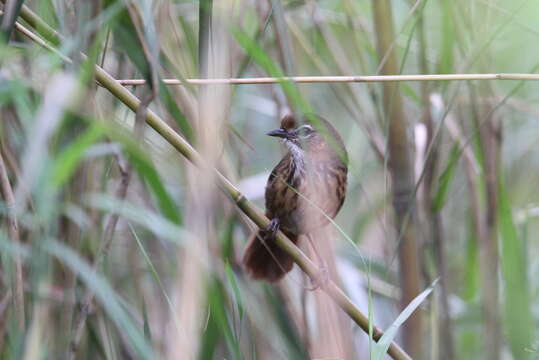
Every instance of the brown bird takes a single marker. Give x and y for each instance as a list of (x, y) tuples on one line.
[(304, 191)]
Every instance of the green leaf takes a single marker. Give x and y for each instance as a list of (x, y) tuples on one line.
[(157, 224), (231, 277), (418, 14), (445, 179), (410, 93), (125, 33), (168, 100), (190, 38), (371, 312), (265, 61), (16, 93), (126, 38), (448, 38), (147, 330), (153, 271), (471, 266), (146, 170), (211, 338), (217, 299), (10, 13), (380, 348), (105, 294), (293, 344), (519, 324), (95, 341), (66, 163)]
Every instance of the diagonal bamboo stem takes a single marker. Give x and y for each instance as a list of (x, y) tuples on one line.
[(180, 144)]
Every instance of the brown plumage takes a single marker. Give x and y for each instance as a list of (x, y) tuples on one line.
[(304, 191)]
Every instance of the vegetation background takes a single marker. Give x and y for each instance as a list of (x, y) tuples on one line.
[(114, 246)]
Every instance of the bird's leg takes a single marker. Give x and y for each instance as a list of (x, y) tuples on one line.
[(269, 232), (273, 227), (322, 278)]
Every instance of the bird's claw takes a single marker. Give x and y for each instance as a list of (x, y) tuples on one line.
[(273, 226)]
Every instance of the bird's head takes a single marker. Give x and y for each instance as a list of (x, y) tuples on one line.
[(292, 134), (315, 135)]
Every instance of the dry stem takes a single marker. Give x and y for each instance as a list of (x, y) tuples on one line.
[(13, 233), (339, 79), (402, 178)]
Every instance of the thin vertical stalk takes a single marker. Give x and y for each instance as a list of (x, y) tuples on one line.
[(204, 35), (489, 287), (489, 129), (402, 176), (13, 233), (11, 12), (433, 218), (193, 261), (284, 47), (126, 175), (283, 37), (4, 306), (488, 241), (9, 15)]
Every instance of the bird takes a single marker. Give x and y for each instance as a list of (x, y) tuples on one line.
[(304, 192)]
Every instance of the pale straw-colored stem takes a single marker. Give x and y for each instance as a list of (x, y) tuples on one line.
[(337, 79)]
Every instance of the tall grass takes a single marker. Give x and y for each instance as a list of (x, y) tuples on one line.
[(112, 245)]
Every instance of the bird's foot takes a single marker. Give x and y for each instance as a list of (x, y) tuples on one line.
[(320, 279), (273, 227)]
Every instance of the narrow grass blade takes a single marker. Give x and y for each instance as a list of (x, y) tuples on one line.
[(157, 224), (107, 296), (445, 180), (380, 348), (143, 164), (66, 163), (519, 317), (216, 299)]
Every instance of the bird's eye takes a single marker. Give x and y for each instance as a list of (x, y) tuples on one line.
[(305, 131)]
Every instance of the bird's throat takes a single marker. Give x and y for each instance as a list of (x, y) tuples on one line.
[(298, 159)]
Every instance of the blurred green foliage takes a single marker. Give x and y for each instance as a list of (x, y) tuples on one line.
[(64, 177)]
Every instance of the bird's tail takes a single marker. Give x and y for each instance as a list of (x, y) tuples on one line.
[(264, 259)]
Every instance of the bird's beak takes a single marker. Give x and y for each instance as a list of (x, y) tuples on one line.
[(279, 133)]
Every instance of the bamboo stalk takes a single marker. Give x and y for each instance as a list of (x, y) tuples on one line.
[(339, 79), (488, 125), (183, 342), (490, 139), (434, 224), (184, 148), (402, 178), (126, 174)]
